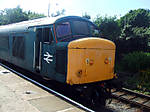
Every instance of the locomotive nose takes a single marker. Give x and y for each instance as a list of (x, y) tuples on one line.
[(90, 60), (89, 43)]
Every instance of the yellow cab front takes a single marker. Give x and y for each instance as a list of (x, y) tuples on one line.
[(90, 60)]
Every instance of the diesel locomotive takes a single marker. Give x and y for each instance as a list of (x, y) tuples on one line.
[(66, 49)]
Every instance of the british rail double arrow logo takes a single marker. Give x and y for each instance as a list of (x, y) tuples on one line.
[(47, 57)]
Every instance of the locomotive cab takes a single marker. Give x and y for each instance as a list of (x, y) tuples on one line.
[(86, 57), (71, 51)]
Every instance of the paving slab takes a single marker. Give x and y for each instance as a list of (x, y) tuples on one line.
[(10, 102), (20, 95)]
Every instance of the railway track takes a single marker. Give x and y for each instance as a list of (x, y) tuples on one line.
[(132, 98), (49, 89)]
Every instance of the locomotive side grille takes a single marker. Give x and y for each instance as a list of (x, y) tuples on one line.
[(4, 42), (61, 61), (18, 47)]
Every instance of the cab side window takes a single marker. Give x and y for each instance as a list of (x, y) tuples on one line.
[(47, 35), (63, 29)]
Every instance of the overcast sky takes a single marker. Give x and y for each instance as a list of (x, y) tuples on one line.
[(78, 7)]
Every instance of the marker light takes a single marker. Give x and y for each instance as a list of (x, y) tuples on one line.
[(91, 62), (106, 61)]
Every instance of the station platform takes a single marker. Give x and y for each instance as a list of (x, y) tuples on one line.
[(20, 95)]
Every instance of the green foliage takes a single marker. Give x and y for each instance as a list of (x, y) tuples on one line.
[(108, 26), (136, 61), (139, 82), (135, 32), (135, 36), (126, 32), (141, 31), (145, 78), (136, 18), (8, 16), (13, 15), (33, 15), (134, 24), (129, 32)]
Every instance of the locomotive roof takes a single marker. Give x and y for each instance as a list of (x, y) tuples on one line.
[(23, 26)]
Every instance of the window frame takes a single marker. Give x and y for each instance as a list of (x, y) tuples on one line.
[(50, 36), (91, 24), (72, 35), (75, 35), (60, 38)]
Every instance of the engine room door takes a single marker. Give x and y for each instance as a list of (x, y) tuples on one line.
[(44, 52)]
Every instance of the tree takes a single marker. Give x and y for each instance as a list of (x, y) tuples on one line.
[(108, 27), (14, 15), (33, 15), (136, 18), (126, 32), (135, 31), (136, 23)]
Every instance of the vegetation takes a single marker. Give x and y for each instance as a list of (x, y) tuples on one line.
[(108, 26), (8, 16), (134, 71), (14, 15), (138, 82), (135, 62), (135, 25), (33, 15)]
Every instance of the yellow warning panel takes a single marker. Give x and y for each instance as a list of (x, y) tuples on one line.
[(87, 63)]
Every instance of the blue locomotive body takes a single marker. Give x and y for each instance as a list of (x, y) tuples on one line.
[(32, 45)]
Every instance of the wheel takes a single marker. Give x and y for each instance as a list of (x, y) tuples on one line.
[(98, 98)]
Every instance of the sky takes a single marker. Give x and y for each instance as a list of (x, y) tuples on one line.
[(78, 7)]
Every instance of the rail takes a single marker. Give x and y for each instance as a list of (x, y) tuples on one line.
[(132, 98)]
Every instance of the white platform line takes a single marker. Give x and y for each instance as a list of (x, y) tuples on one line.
[(65, 109)]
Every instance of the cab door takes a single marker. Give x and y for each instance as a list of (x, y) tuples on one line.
[(48, 59), (44, 52)]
